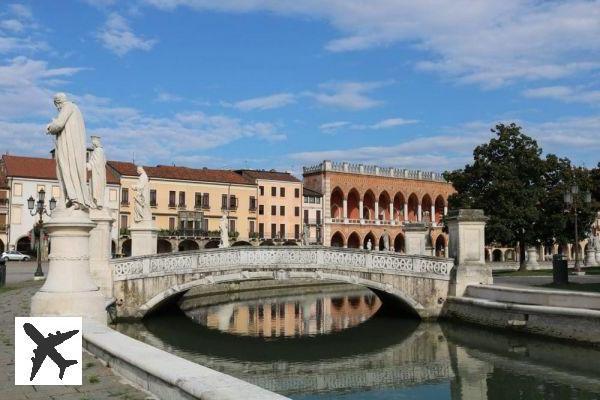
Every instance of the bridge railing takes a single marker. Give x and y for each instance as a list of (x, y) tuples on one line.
[(312, 257)]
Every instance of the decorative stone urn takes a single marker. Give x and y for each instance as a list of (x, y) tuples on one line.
[(532, 258), (590, 258)]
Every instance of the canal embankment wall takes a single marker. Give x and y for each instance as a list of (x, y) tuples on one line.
[(163, 374), (559, 314)]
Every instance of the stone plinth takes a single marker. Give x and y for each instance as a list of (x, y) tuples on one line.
[(466, 228), (69, 289), (100, 251), (597, 257), (532, 259), (143, 239), (590, 258), (415, 236)]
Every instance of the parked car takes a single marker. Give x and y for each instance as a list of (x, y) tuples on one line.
[(14, 255)]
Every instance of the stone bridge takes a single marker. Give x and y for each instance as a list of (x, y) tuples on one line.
[(418, 284)]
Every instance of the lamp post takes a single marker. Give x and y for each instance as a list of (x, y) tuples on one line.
[(572, 197), (40, 209)]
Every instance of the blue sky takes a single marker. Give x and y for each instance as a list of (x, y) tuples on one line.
[(280, 84)]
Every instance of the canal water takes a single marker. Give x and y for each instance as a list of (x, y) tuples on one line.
[(336, 343)]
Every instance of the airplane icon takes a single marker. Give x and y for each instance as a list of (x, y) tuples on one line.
[(46, 347)]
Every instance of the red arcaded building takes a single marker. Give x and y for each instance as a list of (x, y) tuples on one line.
[(360, 202)]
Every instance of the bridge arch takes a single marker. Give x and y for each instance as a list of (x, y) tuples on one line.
[(188, 245), (163, 246)]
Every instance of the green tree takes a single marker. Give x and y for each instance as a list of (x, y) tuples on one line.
[(506, 181)]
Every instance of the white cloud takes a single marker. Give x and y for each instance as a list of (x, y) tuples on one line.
[(266, 102), (13, 25), (116, 35), (347, 95), (489, 43), (166, 97), (392, 123), (567, 94), (20, 10), (332, 127), (16, 30)]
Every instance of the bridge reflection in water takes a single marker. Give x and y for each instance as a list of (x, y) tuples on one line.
[(336, 345)]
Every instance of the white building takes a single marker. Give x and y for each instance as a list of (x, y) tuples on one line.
[(313, 215), (22, 177)]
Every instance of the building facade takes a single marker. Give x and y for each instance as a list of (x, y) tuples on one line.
[(312, 216), (187, 205), (23, 177), (279, 205), (362, 202)]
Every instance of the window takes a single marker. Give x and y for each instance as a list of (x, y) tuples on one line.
[(273, 231), (261, 230), (282, 231), (318, 200), (252, 203), (306, 199), (124, 223), (41, 187), (125, 196), (282, 192), (232, 226), (15, 215), (56, 193), (112, 194), (306, 216), (232, 202), (17, 190), (205, 201), (171, 223), (296, 193), (261, 190), (224, 202), (181, 199), (282, 210), (273, 191), (261, 210), (152, 198), (318, 221), (205, 224), (197, 200), (252, 227), (296, 211), (311, 200), (273, 210), (297, 231), (171, 198)]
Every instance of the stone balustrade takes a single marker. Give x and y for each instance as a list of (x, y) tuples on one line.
[(374, 170)]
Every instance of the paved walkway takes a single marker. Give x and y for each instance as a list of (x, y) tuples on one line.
[(22, 271), (541, 280), (99, 382)]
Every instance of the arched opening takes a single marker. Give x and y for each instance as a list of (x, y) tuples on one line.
[(439, 209), (487, 255), (413, 207), (163, 246), (126, 248), (497, 255), (440, 246), (290, 243), (241, 243), (369, 206), (337, 240), (369, 238), (399, 244), (337, 203), (354, 241), (113, 248), (354, 301), (382, 241), (399, 207), (188, 245), (24, 245), (353, 204), (426, 208), (212, 244), (267, 242), (384, 206), (510, 255)]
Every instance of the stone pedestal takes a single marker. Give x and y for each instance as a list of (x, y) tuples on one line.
[(69, 290), (597, 257), (532, 258), (415, 239), (143, 239), (590, 258), (100, 251), (466, 228)]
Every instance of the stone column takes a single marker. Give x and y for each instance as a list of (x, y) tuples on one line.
[(405, 211), (360, 211), (466, 228), (532, 258), (432, 217), (392, 213), (144, 238), (69, 290), (445, 210), (100, 246), (419, 213), (377, 212), (345, 210), (415, 236)]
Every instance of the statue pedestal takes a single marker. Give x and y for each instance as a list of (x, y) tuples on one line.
[(69, 290), (532, 259), (415, 239), (590, 258), (598, 257), (100, 251), (144, 238)]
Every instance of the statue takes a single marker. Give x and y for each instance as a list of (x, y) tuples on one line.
[(69, 129), (141, 205), (224, 229), (386, 240), (306, 235), (369, 245), (97, 166)]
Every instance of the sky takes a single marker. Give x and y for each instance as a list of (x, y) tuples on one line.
[(285, 84)]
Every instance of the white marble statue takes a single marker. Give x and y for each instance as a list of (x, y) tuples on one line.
[(369, 245), (224, 230), (69, 130), (141, 205), (306, 235), (386, 240), (97, 167)]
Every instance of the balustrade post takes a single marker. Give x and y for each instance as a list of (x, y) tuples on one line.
[(405, 210), (392, 213), (360, 211), (376, 212)]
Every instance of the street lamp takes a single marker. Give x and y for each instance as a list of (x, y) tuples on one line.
[(571, 199), (40, 209)]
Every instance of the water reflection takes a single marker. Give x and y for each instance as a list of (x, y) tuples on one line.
[(380, 358)]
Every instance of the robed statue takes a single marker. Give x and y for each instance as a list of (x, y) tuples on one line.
[(97, 166), (68, 129), (224, 230), (141, 199)]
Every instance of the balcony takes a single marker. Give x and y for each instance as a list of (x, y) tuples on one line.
[(172, 205), (125, 203), (181, 206)]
